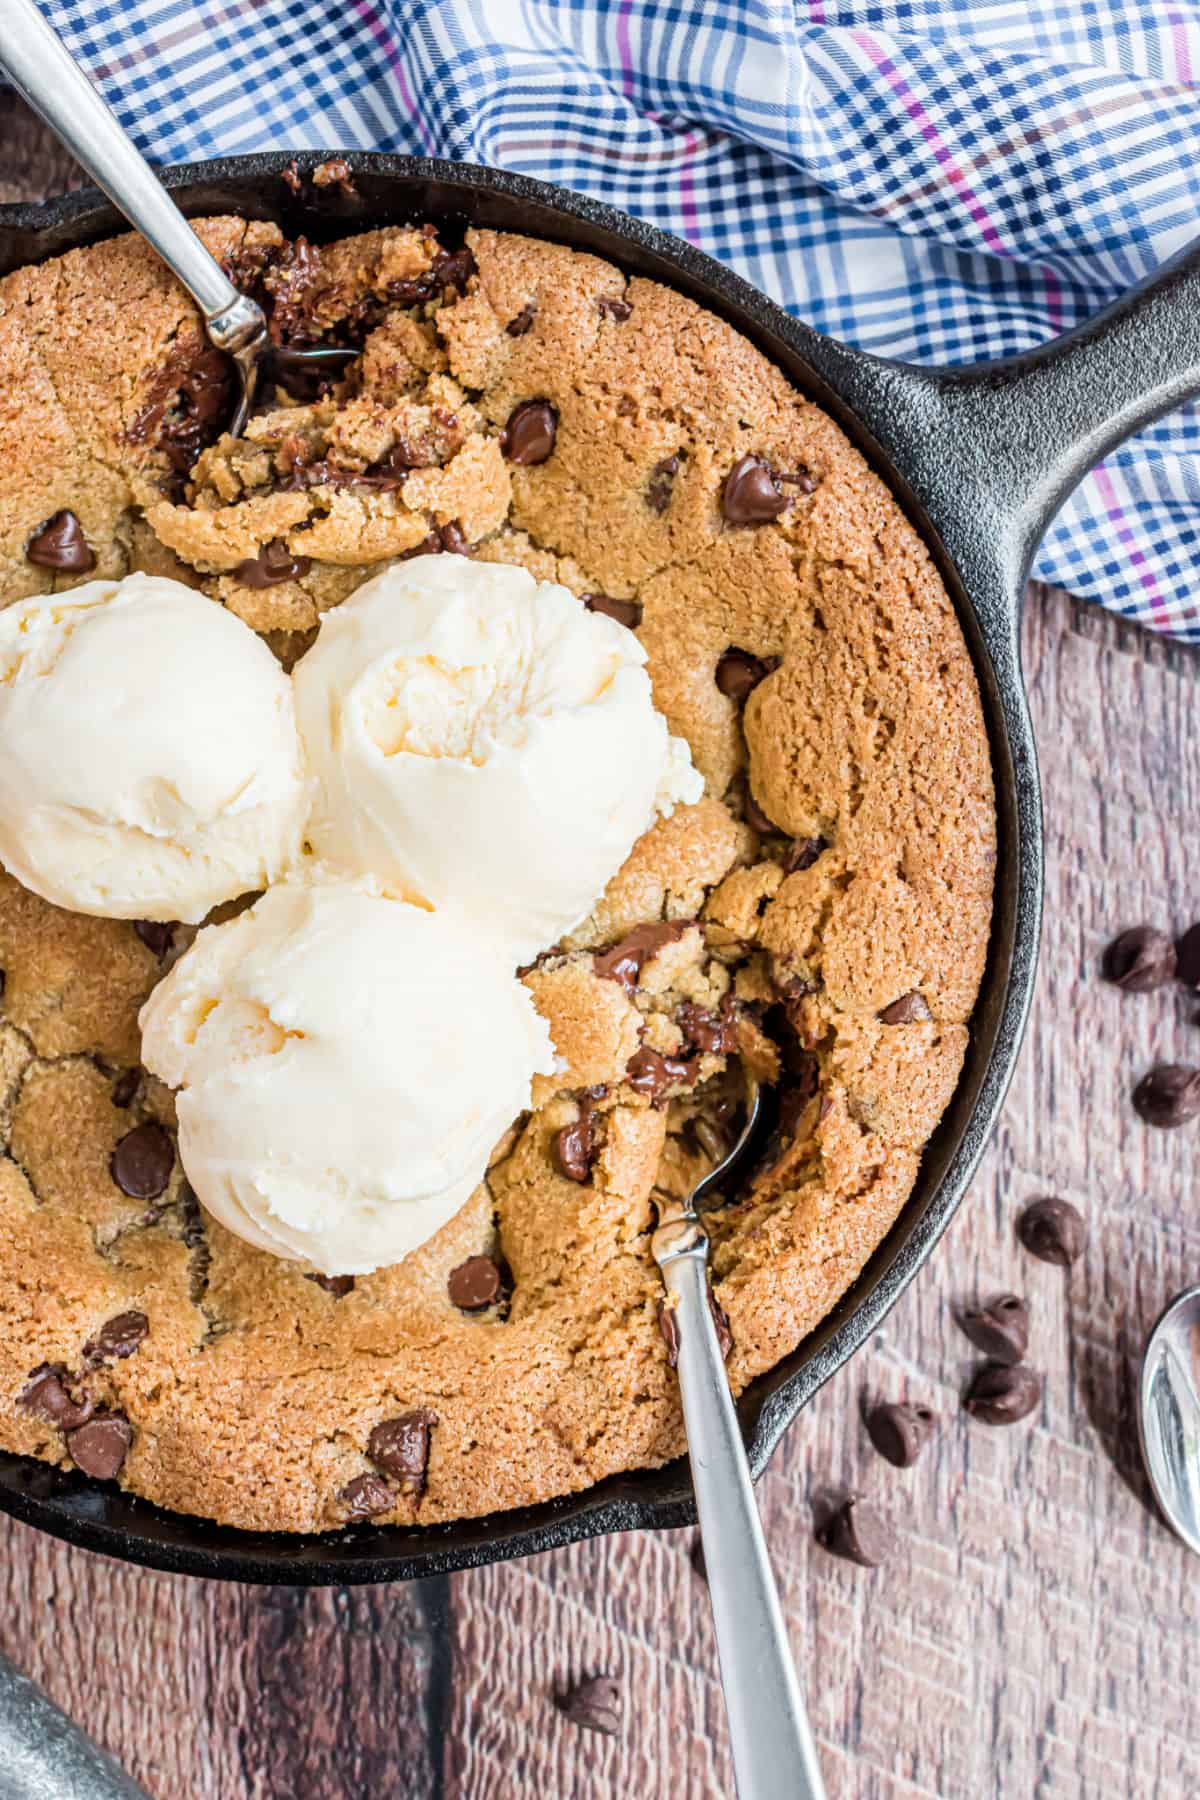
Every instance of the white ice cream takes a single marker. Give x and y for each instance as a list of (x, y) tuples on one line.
[(149, 761), (481, 739), (346, 1062)]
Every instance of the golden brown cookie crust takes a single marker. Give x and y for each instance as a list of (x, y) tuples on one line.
[(829, 898)]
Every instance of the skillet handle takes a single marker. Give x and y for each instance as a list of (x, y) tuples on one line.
[(993, 449)]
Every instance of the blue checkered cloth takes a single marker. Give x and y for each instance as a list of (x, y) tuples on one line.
[(944, 180)]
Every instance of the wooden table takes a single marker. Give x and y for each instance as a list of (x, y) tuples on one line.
[(1033, 1633)]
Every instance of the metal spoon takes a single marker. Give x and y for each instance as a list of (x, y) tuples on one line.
[(42, 71), (774, 1756), (1169, 1415)]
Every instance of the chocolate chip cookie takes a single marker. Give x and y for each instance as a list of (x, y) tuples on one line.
[(822, 912)]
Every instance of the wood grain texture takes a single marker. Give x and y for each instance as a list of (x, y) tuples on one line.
[(1034, 1632)]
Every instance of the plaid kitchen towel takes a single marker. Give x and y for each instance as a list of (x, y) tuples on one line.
[(943, 180)]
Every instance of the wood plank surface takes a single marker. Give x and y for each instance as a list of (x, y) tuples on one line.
[(1034, 1633)]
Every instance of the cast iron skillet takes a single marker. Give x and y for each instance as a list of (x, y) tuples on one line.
[(980, 458)]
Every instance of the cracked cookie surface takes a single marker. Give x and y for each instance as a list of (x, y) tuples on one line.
[(822, 912)]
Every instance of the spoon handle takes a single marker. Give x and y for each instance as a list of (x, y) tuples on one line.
[(54, 85), (774, 1756)]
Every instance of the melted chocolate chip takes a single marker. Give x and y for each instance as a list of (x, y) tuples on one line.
[(610, 308), (155, 934), (738, 674), (1187, 958), (624, 962), (661, 484), (100, 1447), (1000, 1395), (1000, 1327), (651, 1074), (365, 1496), (668, 1325), (60, 545), (1054, 1231), (118, 1338), (400, 1447), (1140, 959), (186, 400), (858, 1533), (802, 853), (594, 1704), (909, 1009), (47, 1396), (142, 1162), (125, 1087), (750, 495), (520, 325), (625, 612), (756, 818), (720, 1319), (1168, 1096), (428, 546), (273, 563), (531, 432), (900, 1431), (474, 1284), (575, 1145), (337, 1285), (454, 539), (714, 1032)]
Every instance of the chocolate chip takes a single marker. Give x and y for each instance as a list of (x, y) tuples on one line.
[(47, 1397), (429, 546), (1187, 958), (337, 1285), (575, 1145), (454, 539), (100, 1446), (273, 563), (609, 308), (118, 1338), (668, 1324), (720, 1319), (520, 325), (474, 1284), (909, 1009), (858, 1533), (624, 962), (756, 818), (401, 1447), (900, 1431), (61, 545), (625, 612), (142, 1162), (1000, 1327), (750, 495), (802, 853), (1053, 1231), (714, 1032), (801, 479), (1003, 1395), (365, 1496), (125, 1087), (738, 673), (661, 484), (530, 434), (651, 1074), (1140, 959), (186, 400), (1168, 1096), (156, 934), (594, 1704)]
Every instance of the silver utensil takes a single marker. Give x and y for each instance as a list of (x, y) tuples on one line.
[(1169, 1415), (774, 1756), (44, 1756), (46, 76)]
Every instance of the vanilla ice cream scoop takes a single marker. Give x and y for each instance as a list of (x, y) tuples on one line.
[(482, 739), (149, 762), (346, 1062)]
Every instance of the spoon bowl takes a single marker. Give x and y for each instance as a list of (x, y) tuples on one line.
[(1169, 1415)]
